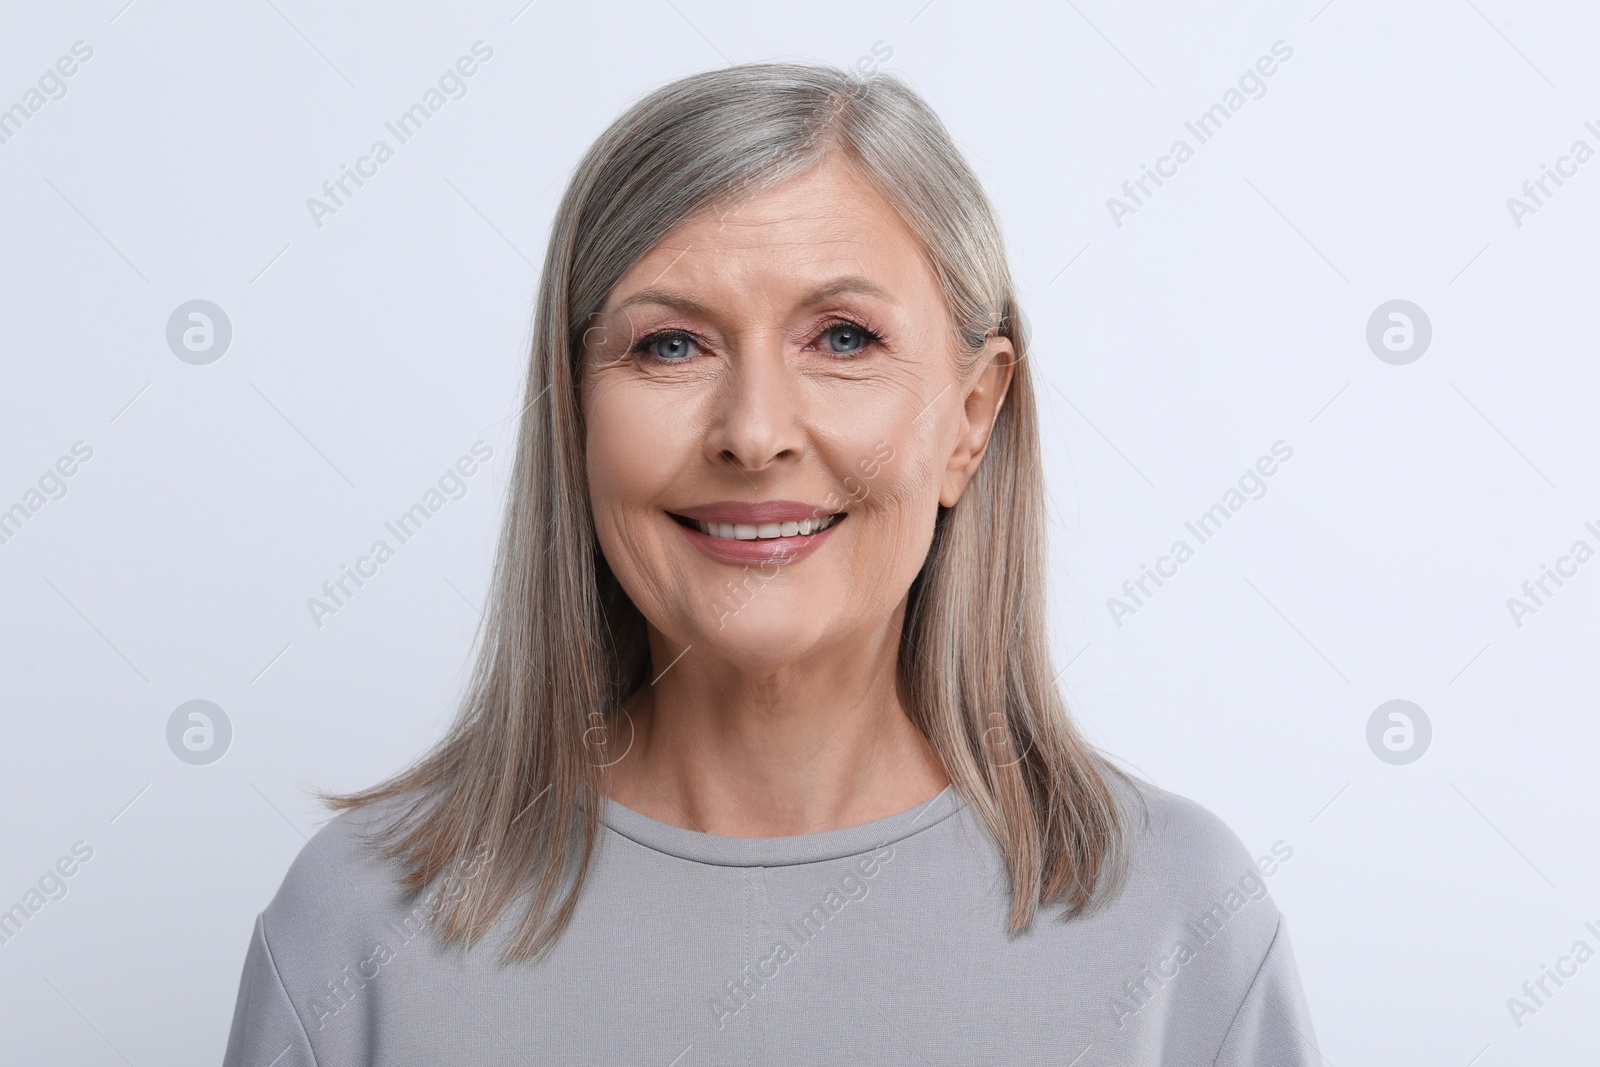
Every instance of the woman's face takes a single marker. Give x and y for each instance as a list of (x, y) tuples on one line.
[(774, 416)]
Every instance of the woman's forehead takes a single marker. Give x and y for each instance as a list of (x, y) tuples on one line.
[(824, 231)]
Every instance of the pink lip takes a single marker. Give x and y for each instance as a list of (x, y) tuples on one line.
[(754, 513), (776, 550)]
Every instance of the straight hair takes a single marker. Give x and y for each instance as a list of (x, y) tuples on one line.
[(518, 776)]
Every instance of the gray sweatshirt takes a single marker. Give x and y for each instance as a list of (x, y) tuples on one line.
[(882, 944)]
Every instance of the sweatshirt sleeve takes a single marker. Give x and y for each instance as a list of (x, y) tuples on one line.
[(1273, 1025), (266, 1030)]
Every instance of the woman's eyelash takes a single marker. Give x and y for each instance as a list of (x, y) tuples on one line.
[(644, 343), (868, 334)]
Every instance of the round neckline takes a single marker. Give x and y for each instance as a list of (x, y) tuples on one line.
[(724, 851)]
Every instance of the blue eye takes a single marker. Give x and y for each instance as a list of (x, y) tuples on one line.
[(844, 338), (849, 339), (667, 347)]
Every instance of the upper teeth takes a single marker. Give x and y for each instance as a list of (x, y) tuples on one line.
[(740, 531)]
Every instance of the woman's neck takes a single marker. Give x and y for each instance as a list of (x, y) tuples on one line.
[(800, 748)]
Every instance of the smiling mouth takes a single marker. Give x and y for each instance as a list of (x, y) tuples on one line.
[(766, 531)]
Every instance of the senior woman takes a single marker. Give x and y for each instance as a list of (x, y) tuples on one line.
[(763, 758)]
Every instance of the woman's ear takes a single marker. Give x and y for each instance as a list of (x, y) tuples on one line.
[(980, 406)]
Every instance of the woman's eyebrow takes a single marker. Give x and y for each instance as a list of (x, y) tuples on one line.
[(853, 283), (822, 293)]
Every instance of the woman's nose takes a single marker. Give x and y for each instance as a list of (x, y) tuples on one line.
[(755, 422)]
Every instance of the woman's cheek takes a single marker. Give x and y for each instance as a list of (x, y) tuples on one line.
[(889, 485), (632, 444), (887, 467), (619, 480)]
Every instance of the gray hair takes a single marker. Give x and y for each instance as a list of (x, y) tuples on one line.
[(562, 645)]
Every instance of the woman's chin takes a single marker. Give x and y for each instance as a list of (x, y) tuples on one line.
[(759, 641)]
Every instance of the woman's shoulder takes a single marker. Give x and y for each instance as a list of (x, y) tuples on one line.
[(339, 872), (1191, 951), (341, 917), (1189, 870), (340, 903), (1175, 833)]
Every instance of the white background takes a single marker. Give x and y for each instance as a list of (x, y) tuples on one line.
[(1229, 312)]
